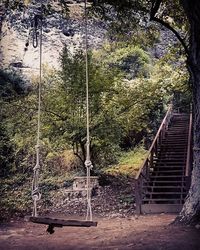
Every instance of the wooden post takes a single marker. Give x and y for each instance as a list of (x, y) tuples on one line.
[(138, 198)]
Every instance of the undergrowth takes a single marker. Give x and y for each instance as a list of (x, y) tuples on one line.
[(15, 190), (129, 162)]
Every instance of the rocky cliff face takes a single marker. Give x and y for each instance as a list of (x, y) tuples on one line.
[(57, 32), (15, 27)]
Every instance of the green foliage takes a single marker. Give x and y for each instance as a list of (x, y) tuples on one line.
[(122, 111), (12, 88), (15, 196), (12, 85), (129, 162), (47, 8), (70, 95), (6, 153), (134, 15), (123, 17), (131, 60)]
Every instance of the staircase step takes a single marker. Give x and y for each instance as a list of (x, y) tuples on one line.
[(178, 126), (167, 177), (168, 172), (161, 208), (178, 137), (158, 188), (163, 193), (168, 168), (178, 156), (170, 154), (175, 183), (163, 200), (170, 164), (177, 146), (173, 147), (164, 196), (170, 160), (174, 142), (172, 151), (173, 134), (175, 139)]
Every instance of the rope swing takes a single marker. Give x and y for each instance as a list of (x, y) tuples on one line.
[(36, 195), (88, 163)]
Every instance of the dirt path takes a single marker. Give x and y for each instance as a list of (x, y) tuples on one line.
[(144, 233)]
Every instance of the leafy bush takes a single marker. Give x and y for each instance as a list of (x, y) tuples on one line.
[(132, 60), (12, 84)]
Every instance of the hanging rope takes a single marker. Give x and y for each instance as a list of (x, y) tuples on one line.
[(88, 163), (35, 30), (36, 195)]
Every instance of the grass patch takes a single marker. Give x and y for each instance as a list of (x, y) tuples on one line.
[(129, 162)]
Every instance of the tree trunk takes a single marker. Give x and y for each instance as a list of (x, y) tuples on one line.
[(190, 213), (191, 210)]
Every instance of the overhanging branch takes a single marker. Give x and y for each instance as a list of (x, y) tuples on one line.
[(155, 7)]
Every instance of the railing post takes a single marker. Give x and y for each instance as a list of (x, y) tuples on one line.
[(156, 148), (138, 196), (151, 158), (147, 170)]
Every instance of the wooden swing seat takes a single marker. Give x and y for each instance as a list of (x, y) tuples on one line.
[(52, 222)]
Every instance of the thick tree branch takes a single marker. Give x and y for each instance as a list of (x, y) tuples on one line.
[(155, 7), (174, 31), (154, 10), (62, 118)]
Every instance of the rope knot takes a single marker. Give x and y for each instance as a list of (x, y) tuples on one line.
[(88, 164), (37, 167), (36, 195)]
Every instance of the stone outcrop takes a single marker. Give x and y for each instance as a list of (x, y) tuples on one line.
[(57, 32), (15, 27)]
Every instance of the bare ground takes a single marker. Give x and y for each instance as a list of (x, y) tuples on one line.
[(143, 233)]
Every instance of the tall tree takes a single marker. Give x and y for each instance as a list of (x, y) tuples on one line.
[(191, 209)]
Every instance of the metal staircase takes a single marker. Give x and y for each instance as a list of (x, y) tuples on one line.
[(162, 182)]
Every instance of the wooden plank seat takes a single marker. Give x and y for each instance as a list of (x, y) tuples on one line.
[(52, 222)]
